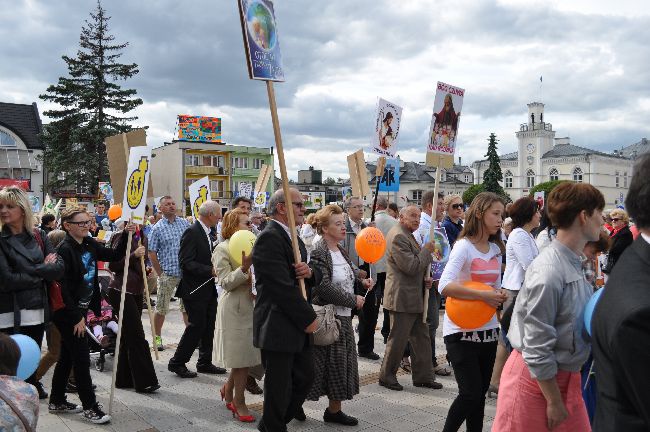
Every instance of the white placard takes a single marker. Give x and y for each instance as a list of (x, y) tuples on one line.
[(137, 181), (245, 189), (199, 193), (387, 121)]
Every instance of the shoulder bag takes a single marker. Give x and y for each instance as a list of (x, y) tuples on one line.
[(329, 326)]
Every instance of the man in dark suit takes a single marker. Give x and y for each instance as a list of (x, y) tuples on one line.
[(283, 320), (621, 324), (199, 293)]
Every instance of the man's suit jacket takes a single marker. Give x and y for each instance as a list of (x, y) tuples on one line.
[(281, 313), (195, 260), (621, 344), (407, 266)]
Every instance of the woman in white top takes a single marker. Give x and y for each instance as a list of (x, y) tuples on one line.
[(521, 250), (546, 232), (476, 256), (308, 232), (336, 372)]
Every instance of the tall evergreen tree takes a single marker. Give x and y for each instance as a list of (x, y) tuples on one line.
[(90, 103), (493, 175)]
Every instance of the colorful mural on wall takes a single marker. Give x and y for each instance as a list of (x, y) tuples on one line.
[(199, 128)]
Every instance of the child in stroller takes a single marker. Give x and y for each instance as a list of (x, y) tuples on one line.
[(102, 331)]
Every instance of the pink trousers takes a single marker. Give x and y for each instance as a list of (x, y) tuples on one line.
[(521, 406)]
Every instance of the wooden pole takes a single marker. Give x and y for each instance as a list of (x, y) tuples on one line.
[(381, 165), (431, 234), (146, 293), (285, 180), (120, 318)]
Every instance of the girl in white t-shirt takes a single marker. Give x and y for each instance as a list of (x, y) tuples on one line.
[(476, 256)]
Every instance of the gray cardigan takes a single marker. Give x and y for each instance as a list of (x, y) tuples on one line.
[(547, 325), (327, 292)]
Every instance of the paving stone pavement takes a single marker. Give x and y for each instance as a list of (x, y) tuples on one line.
[(194, 405)]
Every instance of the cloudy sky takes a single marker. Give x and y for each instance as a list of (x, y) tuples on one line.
[(340, 55)]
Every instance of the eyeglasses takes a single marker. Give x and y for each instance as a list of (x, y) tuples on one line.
[(81, 224), (297, 204), (360, 206), (616, 219), (248, 223), (457, 206)]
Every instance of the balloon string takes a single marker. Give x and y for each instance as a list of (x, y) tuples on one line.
[(203, 284)]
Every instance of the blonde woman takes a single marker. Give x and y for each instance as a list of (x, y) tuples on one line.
[(233, 337), (453, 223), (621, 237)]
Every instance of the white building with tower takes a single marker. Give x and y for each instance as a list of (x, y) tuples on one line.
[(542, 157)]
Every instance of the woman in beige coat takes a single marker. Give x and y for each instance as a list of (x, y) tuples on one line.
[(233, 337)]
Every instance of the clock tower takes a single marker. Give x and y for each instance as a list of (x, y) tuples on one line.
[(535, 139)]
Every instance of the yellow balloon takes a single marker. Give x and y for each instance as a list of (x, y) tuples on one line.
[(241, 241)]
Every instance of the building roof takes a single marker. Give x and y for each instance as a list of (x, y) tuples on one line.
[(562, 150), (636, 149), (24, 121)]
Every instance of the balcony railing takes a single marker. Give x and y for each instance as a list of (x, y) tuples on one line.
[(205, 170)]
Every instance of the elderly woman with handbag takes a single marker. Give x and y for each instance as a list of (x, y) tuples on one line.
[(335, 365)]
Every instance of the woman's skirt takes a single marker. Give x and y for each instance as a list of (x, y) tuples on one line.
[(336, 371), (521, 406)]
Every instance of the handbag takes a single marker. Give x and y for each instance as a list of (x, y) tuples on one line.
[(53, 288), (329, 326), (17, 411)]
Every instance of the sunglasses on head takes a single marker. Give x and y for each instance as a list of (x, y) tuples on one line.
[(457, 206)]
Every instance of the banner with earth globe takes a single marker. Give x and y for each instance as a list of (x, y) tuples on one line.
[(261, 40)]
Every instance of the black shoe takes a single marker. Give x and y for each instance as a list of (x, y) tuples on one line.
[(432, 385), (65, 407), (370, 355), (42, 394), (210, 369), (300, 415), (395, 386), (96, 415), (150, 389), (252, 387), (339, 418), (182, 371)]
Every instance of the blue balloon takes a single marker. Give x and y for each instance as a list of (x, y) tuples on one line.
[(590, 307), (30, 355)]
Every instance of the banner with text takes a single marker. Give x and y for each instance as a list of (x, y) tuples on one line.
[(443, 131), (390, 179), (261, 40)]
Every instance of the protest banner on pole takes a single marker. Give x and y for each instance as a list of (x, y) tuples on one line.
[(260, 200), (199, 193), (386, 131), (133, 210), (245, 189), (389, 181), (266, 172), (381, 165), (265, 63), (117, 152), (441, 147)]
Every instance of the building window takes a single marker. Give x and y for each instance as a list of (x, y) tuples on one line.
[(554, 174), (466, 178), (416, 196), (625, 179), (5, 173), (530, 178), (192, 160), (218, 161), (6, 140), (217, 186), (257, 163), (507, 179), (240, 162), (577, 175), (618, 181)]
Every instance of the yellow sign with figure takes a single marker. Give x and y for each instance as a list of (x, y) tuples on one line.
[(199, 193), (137, 180)]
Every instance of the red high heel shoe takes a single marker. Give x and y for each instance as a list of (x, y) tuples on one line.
[(241, 418), (229, 405)]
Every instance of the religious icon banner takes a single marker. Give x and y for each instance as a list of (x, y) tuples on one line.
[(443, 131), (261, 40), (387, 121)]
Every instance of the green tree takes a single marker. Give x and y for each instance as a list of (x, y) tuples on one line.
[(547, 187), (92, 106), (493, 175), (471, 192), (329, 181)]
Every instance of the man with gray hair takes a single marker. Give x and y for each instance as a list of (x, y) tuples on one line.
[(283, 319), (199, 293)]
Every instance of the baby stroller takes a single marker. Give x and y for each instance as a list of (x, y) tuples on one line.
[(105, 344)]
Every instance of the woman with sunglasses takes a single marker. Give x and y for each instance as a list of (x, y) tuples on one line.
[(80, 292), (452, 223), (621, 237), (233, 333)]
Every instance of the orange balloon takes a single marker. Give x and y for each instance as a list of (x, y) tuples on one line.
[(470, 314), (370, 245), (114, 212)]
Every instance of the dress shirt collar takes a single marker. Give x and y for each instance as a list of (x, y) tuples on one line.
[(205, 227), (646, 237)]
